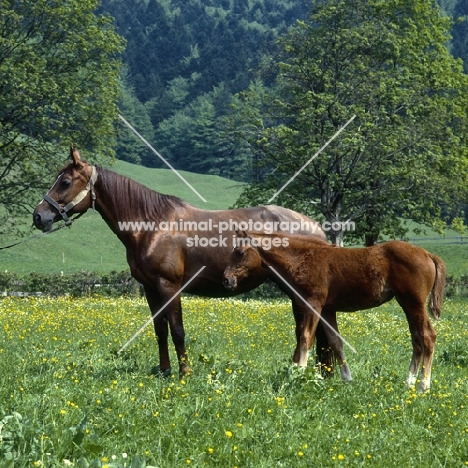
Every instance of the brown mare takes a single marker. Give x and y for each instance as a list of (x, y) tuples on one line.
[(332, 279), (163, 261)]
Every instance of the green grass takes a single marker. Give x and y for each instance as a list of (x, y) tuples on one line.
[(455, 256), (242, 406), (90, 245)]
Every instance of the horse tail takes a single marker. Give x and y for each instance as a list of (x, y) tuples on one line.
[(437, 293)]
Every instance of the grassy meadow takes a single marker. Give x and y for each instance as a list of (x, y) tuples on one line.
[(69, 399)]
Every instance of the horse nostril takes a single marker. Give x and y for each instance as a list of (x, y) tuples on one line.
[(37, 219), (226, 282)]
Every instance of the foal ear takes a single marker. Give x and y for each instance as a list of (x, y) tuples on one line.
[(75, 156)]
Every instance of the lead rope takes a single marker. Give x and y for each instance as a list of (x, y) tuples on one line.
[(42, 233)]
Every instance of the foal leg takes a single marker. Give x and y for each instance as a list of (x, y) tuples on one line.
[(306, 324), (423, 337), (336, 343)]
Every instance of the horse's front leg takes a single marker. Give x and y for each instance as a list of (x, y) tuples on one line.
[(170, 294), (174, 317), (160, 327), (306, 325), (324, 355)]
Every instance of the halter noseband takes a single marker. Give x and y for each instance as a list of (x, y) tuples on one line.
[(79, 198)]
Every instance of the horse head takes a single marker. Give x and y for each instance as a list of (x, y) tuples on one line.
[(71, 193), (244, 259)]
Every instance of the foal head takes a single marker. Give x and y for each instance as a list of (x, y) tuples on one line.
[(71, 193), (243, 261)]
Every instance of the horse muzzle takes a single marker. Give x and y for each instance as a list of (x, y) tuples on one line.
[(43, 219)]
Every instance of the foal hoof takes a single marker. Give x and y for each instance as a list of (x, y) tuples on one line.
[(158, 372), (423, 388)]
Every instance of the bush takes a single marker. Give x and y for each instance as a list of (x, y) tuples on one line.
[(114, 284), (83, 283)]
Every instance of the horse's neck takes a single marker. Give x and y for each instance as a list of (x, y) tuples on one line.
[(117, 201), (285, 258), (106, 206)]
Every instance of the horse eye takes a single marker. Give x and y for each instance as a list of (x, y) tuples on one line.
[(65, 183), (240, 252)]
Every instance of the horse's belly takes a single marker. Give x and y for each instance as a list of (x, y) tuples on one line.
[(361, 299)]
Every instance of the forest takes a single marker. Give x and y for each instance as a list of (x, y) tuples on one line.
[(185, 61)]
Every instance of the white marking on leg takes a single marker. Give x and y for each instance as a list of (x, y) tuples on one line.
[(424, 385), (411, 380), (303, 358)]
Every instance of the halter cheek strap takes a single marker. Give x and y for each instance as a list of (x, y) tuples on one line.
[(78, 199)]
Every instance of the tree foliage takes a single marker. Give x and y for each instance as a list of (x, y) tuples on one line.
[(386, 62), (186, 60), (59, 65)]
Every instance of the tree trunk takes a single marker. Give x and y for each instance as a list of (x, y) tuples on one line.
[(371, 239), (337, 238)]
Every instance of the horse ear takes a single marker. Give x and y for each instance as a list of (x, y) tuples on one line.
[(242, 233), (75, 156)]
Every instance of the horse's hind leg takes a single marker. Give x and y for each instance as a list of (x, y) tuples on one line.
[(423, 337), (330, 328)]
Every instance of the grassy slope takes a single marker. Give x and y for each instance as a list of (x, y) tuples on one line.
[(90, 245), (451, 247)]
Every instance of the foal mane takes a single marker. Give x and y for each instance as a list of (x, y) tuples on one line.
[(132, 200)]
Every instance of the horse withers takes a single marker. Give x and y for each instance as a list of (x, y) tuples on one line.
[(167, 240), (330, 279)]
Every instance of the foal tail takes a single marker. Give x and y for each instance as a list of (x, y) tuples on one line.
[(437, 293)]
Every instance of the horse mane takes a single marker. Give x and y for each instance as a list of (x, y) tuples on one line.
[(133, 200)]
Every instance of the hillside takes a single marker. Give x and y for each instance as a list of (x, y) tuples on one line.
[(90, 245)]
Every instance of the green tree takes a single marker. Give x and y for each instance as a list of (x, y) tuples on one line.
[(405, 154), (129, 147), (59, 65), (460, 32)]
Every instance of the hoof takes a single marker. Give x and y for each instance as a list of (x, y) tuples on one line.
[(158, 372), (423, 387)]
